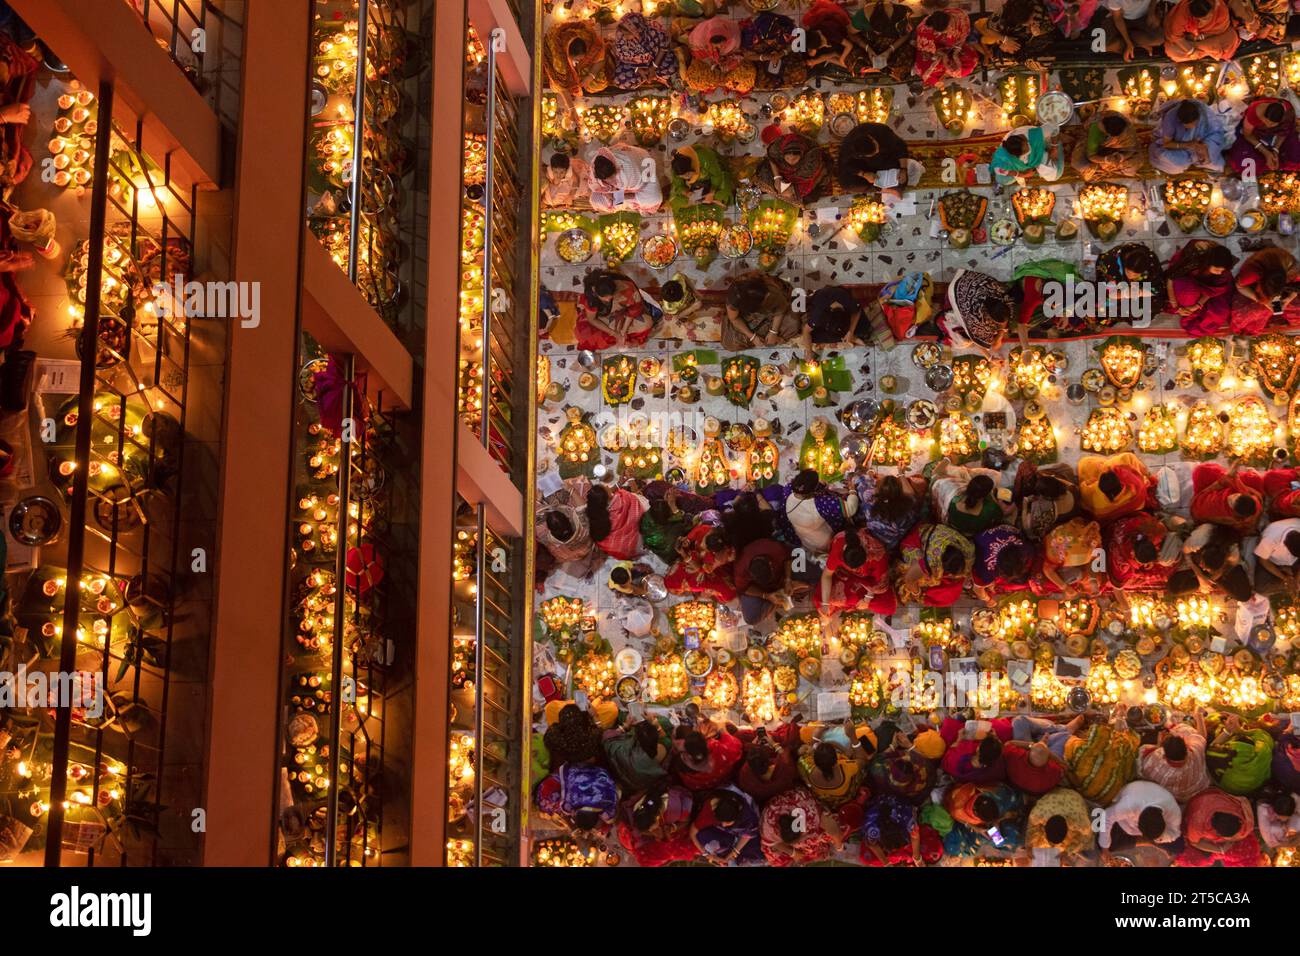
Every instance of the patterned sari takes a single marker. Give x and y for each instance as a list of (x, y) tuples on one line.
[(588, 73), (641, 53)]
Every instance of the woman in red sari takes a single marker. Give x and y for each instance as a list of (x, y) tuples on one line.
[(703, 565), (611, 313), (1282, 485), (795, 829), (943, 47), (1135, 558), (936, 564), (614, 521), (1200, 29), (1267, 282), (856, 575), (1228, 496), (1200, 286), (1220, 831), (655, 827)]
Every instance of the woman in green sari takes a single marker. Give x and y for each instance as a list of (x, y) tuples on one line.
[(699, 176), (1240, 760), (637, 754), (661, 525), (1025, 150)]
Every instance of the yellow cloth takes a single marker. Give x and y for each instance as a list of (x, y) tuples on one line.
[(604, 712), (929, 744)]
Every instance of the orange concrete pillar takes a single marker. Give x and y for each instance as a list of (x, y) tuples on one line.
[(260, 386)]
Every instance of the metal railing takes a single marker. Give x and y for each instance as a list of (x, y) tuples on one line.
[(204, 38)]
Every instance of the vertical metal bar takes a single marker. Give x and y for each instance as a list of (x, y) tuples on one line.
[(340, 607), (480, 583), (485, 414), (77, 508), (358, 132)]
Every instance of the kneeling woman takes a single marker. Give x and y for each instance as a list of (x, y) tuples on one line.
[(856, 576), (1004, 561), (979, 310), (656, 826), (611, 313), (704, 564), (937, 563), (796, 831), (1199, 284), (725, 828)]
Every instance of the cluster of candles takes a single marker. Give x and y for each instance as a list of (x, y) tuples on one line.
[(1139, 88), (1016, 620), (1190, 193), (648, 117), (601, 121), (935, 632), (955, 107), (1029, 371), (971, 374), (721, 689), (562, 851), (1197, 687), (864, 689), (1107, 431), (1275, 357), (1203, 436), (594, 674), (460, 759), (1263, 74), (1036, 439), (641, 450), (1046, 691), (462, 558), (562, 613), (1207, 356), (957, 437), (726, 117), (1250, 430), (821, 456), (763, 461), (773, 225), (618, 239), (577, 442), (701, 615), (469, 397), (758, 695), (1196, 80), (801, 634), (1103, 201), (1148, 613), (892, 444), (1019, 94), (1194, 612), (1102, 683), (1158, 432), (1033, 204), (712, 470), (72, 148), (666, 678), (1122, 361), (1279, 192), (806, 112), (552, 125)]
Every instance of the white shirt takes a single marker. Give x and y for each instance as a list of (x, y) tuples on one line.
[(810, 526), (1135, 797), (1272, 546), (1132, 9)]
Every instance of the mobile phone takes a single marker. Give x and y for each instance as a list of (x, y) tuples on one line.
[(996, 836)]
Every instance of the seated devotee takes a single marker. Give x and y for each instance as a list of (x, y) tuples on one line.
[(1283, 488), (1060, 820), (611, 313), (988, 817), (1187, 135), (892, 505), (725, 828), (768, 40), (1021, 31), (699, 176), (1135, 26), (583, 796), (1141, 553), (563, 530), (662, 524), (1046, 496), (704, 559), (1261, 19), (906, 769), (573, 737), (566, 180), (856, 576), (1277, 570), (966, 498), (574, 58), (1032, 767), (1214, 564), (810, 514), (768, 767), (1200, 30), (1005, 560), (936, 561), (975, 759), (761, 576), (831, 43), (640, 53), (1240, 758), (794, 168), (678, 297), (872, 154), (796, 831), (833, 318), (706, 757), (711, 57), (1108, 149), (1134, 268), (980, 309), (943, 46), (1100, 760), (1177, 760), (1199, 283), (1220, 831), (1071, 16), (1286, 761), (1032, 283), (1233, 497), (833, 776), (885, 29), (614, 519), (1143, 811), (624, 177), (1026, 151), (638, 755), (655, 826), (892, 835), (758, 312), (1114, 486), (1278, 820), (1069, 552), (1266, 138), (1268, 284)]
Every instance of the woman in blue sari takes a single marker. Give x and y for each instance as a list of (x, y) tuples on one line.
[(583, 796), (1187, 135), (725, 828)]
